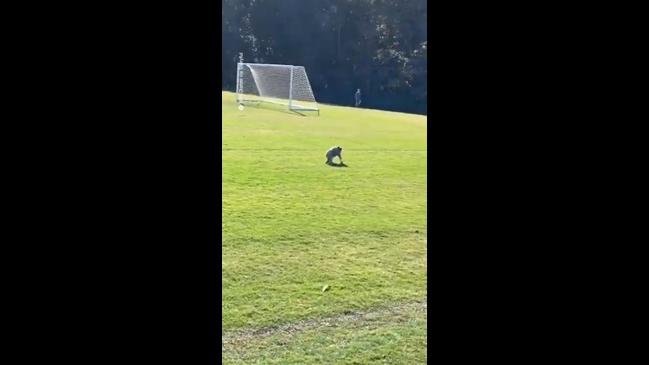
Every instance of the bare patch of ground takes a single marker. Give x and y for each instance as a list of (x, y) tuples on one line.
[(232, 339)]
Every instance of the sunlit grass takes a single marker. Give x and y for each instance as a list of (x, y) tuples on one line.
[(292, 224)]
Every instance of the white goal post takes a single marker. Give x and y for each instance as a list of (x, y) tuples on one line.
[(278, 84)]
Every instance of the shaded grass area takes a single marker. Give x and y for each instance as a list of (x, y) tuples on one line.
[(292, 224)]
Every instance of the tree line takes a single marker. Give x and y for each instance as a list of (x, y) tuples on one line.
[(379, 46)]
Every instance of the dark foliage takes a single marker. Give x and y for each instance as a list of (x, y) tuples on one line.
[(379, 46)]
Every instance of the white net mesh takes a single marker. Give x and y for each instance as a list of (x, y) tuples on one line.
[(279, 84)]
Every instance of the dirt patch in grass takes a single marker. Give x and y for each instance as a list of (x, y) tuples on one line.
[(232, 339)]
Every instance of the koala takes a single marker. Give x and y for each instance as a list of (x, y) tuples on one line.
[(333, 152)]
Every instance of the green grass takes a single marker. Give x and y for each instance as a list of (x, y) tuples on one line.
[(396, 337), (292, 224)]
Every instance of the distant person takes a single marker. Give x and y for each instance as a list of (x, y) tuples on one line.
[(357, 96), (333, 152)]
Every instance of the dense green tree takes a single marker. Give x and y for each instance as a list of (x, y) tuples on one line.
[(379, 46)]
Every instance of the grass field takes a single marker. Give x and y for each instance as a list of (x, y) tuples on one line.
[(293, 225)]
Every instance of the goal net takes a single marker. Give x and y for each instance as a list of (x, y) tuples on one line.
[(278, 84)]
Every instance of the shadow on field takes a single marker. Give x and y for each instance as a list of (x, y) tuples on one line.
[(333, 164)]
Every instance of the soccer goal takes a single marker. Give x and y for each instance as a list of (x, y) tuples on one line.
[(277, 84)]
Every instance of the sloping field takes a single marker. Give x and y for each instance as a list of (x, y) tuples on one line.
[(293, 226)]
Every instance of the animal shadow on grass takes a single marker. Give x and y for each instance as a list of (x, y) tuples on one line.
[(333, 164)]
